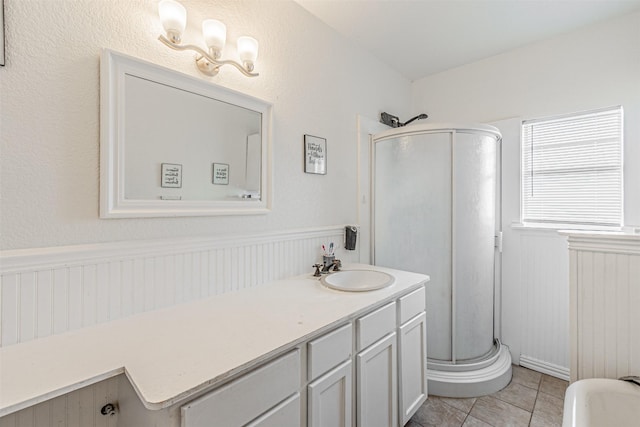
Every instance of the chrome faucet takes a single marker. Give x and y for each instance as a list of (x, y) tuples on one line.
[(335, 265)]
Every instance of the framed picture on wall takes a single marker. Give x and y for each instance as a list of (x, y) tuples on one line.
[(315, 155), (221, 174), (171, 175)]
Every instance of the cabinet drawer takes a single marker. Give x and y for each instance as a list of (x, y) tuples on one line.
[(329, 351), (373, 326), (411, 305), (285, 414), (244, 399)]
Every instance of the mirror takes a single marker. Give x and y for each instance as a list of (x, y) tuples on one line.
[(175, 145)]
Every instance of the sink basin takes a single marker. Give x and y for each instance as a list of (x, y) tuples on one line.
[(357, 280)]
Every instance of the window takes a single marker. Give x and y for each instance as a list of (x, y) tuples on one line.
[(572, 169)]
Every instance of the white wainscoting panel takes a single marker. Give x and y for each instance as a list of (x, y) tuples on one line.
[(53, 290), (544, 300), (605, 305), (80, 408)]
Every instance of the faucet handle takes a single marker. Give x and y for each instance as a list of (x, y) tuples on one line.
[(337, 264), (317, 267)]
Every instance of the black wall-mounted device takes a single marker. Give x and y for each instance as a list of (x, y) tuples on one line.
[(350, 237)]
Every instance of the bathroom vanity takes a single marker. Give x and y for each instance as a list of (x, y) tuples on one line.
[(292, 352)]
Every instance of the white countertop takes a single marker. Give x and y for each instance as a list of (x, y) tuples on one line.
[(173, 353)]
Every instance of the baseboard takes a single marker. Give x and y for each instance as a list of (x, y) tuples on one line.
[(545, 367)]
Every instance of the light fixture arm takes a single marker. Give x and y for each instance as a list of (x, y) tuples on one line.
[(205, 62)]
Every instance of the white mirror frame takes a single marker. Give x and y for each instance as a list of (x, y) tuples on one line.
[(113, 69)]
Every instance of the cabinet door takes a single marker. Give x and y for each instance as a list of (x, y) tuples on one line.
[(285, 414), (330, 398), (412, 366), (376, 384)]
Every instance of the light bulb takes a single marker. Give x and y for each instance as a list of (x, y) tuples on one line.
[(215, 36), (248, 51), (173, 16)]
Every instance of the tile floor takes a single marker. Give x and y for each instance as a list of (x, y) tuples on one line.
[(531, 399)]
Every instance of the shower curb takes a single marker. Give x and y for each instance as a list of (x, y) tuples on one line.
[(474, 383)]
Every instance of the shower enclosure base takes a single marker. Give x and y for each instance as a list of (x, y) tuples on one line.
[(470, 380)]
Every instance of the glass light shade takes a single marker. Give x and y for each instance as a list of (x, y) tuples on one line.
[(173, 16), (214, 33), (247, 49)]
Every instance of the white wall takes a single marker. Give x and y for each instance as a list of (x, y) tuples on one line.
[(594, 67), (317, 81)]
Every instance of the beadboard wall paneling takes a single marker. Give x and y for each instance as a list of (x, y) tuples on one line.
[(80, 408), (544, 266), (605, 296), (54, 290)]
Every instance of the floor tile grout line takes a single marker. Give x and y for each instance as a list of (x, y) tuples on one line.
[(466, 414), (552, 395), (469, 412), (524, 385), (458, 409), (534, 404), (513, 404)]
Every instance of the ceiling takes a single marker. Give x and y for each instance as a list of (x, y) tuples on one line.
[(423, 37)]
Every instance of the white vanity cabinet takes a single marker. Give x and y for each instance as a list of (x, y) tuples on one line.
[(412, 354), (368, 370)]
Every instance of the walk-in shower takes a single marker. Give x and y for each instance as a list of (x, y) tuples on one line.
[(435, 206)]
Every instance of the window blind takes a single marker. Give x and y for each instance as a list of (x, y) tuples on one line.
[(572, 169)]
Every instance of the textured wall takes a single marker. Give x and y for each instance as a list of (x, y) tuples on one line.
[(49, 103)]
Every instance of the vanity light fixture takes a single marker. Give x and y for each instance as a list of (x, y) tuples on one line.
[(173, 16)]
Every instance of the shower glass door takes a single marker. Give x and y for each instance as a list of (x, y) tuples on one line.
[(434, 213), (474, 213), (412, 221)]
